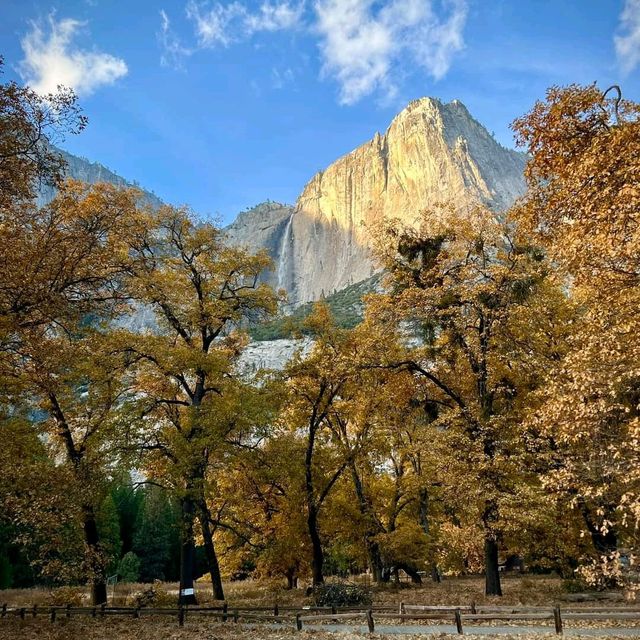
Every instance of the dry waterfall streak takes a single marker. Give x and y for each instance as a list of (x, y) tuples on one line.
[(285, 249)]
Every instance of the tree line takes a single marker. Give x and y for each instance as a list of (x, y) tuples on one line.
[(486, 407)]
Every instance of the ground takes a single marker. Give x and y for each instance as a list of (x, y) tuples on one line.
[(530, 590)]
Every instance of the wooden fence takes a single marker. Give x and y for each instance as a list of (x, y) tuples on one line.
[(455, 615)]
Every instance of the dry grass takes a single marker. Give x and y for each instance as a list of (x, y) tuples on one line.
[(163, 629), (523, 590)]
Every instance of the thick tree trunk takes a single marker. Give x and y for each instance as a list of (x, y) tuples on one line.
[(492, 569), (317, 557), (187, 552), (210, 553), (92, 539)]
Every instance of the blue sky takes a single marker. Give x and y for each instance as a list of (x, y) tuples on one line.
[(221, 105)]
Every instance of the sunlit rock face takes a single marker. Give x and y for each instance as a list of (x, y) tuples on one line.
[(431, 153)]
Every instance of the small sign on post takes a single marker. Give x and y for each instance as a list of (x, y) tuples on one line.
[(187, 592)]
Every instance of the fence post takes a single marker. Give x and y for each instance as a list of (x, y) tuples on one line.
[(275, 609), (52, 614), (4, 610), (94, 612), (298, 622), (370, 620), (557, 618), (103, 606), (473, 607), (458, 622), (23, 611), (35, 610), (180, 615), (401, 609), (136, 612), (235, 615), (224, 611), (68, 610)]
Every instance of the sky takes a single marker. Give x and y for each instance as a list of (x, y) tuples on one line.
[(221, 105)]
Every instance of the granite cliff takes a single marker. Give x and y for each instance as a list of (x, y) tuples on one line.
[(432, 152)]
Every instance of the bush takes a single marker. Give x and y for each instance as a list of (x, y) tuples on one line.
[(155, 596), (129, 568), (341, 595), (66, 595)]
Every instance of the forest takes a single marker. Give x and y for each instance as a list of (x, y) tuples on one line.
[(486, 410)]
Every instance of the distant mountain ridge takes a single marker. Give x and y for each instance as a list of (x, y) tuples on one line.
[(82, 169)]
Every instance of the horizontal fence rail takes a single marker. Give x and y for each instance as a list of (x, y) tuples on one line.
[(301, 616)]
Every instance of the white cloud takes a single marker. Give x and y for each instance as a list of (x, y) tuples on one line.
[(173, 52), (362, 44), (627, 40), (223, 24), (275, 17), (51, 60)]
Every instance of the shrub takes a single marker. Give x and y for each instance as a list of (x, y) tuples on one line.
[(155, 596), (341, 595), (66, 595)]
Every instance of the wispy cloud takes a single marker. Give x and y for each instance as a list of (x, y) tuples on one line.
[(173, 52), (50, 59), (361, 45), (220, 24), (365, 45), (627, 40)]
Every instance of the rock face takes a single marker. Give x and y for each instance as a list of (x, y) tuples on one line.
[(431, 153), (271, 354)]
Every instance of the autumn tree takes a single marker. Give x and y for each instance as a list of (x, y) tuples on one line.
[(315, 383), (29, 125), (200, 291), (458, 281), (80, 388), (583, 206)]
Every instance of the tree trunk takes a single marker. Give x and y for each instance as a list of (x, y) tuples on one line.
[(210, 553), (292, 578), (317, 559), (423, 517), (492, 569), (375, 559), (373, 549), (412, 572), (91, 537), (187, 552)]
